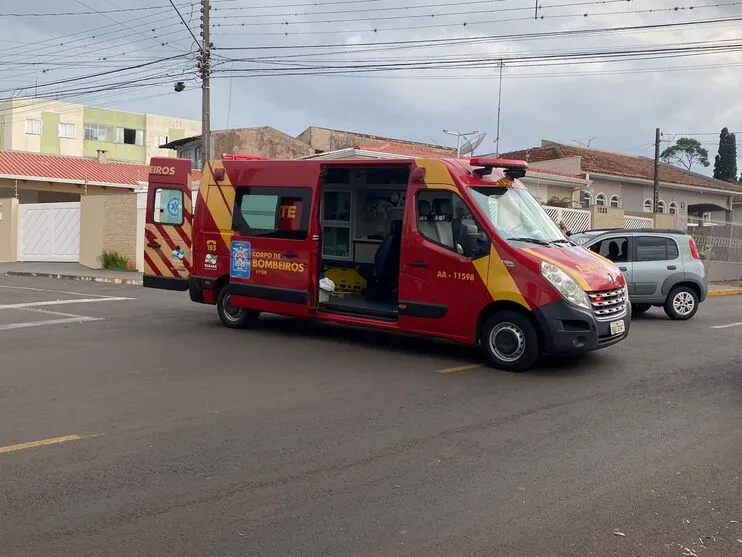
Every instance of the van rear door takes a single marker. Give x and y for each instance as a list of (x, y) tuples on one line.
[(275, 246), (167, 232)]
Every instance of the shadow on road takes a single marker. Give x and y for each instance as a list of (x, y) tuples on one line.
[(410, 344)]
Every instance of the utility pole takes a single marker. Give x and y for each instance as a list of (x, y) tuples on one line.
[(459, 135), (499, 105), (205, 67), (656, 192)]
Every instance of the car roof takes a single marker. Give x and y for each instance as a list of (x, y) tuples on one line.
[(601, 231)]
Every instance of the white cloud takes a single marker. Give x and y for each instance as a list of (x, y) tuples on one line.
[(607, 101)]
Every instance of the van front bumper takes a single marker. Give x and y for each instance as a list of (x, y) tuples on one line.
[(567, 329)]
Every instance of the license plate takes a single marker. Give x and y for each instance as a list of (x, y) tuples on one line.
[(618, 327)]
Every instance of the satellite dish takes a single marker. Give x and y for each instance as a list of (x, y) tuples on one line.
[(471, 144)]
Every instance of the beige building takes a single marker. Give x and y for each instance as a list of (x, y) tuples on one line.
[(58, 128)]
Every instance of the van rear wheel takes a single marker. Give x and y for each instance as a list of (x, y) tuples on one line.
[(231, 316), (510, 341)]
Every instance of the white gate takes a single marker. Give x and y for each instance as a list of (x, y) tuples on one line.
[(49, 232)]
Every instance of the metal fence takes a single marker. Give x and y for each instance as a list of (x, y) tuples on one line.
[(632, 222), (576, 220), (717, 241)]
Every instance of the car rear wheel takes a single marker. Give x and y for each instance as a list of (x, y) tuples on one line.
[(231, 316), (638, 309), (681, 304), (510, 341)]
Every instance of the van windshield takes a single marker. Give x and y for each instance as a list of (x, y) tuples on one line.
[(516, 215)]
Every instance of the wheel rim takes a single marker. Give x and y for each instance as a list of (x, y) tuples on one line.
[(683, 303), (230, 312), (507, 342)]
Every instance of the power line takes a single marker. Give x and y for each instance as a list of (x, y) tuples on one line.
[(491, 38), (200, 47), (417, 16), (531, 59), (109, 72), (479, 22), (91, 12), (301, 5), (354, 10)]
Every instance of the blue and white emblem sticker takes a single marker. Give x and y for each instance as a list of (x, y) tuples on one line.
[(239, 260), (173, 207)]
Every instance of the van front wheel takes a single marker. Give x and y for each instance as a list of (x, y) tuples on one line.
[(231, 316), (510, 341)]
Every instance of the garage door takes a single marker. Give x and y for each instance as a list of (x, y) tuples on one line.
[(49, 232)]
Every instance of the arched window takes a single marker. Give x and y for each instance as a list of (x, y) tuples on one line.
[(601, 200), (648, 206), (660, 206), (615, 201), (587, 199), (673, 208)]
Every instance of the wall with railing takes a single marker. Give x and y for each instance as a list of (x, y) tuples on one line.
[(719, 243)]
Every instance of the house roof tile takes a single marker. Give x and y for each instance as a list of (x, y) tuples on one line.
[(617, 164), (56, 167)]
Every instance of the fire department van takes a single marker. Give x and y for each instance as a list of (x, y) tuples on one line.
[(456, 249)]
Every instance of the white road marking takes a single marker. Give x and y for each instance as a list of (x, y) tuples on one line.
[(54, 291), (11, 326), (726, 326), (47, 312), (60, 302)]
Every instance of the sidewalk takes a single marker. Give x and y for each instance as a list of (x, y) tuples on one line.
[(75, 271), (70, 271)]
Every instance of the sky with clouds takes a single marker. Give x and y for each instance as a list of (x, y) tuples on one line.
[(268, 54)]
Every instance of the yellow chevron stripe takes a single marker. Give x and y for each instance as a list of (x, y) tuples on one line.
[(220, 211), (498, 280), (437, 174)]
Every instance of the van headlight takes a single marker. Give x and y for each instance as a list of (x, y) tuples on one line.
[(565, 284)]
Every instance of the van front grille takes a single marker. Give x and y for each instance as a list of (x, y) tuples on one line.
[(609, 304)]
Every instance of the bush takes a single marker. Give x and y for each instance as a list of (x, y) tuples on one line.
[(114, 260)]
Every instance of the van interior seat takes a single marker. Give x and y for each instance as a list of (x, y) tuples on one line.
[(385, 270), (425, 220), (444, 221)]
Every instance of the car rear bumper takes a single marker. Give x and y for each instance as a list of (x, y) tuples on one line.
[(566, 329)]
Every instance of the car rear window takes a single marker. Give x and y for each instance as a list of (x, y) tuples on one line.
[(656, 248)]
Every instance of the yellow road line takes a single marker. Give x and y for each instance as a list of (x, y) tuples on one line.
[(41, 443), (726, 326), (460, 368), (725, 292)]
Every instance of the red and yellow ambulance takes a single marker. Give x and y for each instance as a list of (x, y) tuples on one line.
[(456, 249)]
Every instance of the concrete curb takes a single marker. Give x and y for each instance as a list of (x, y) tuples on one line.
[(107, 280), (726, 292)]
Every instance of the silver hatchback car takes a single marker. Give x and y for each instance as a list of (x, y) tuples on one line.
[(662, 267)]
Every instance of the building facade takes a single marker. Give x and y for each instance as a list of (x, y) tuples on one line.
[(269, 142), (59, 128), (624, 181)]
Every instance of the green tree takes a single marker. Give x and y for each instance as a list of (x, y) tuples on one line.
[(725, 163), (686, 152)]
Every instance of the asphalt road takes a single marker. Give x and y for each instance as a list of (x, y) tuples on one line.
[(163, 433)]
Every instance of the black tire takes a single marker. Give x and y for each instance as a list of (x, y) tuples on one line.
[(681, 303), (232, 317), (510, 341), (638, 309)]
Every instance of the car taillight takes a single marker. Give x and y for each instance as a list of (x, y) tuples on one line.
[(694, 249)]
